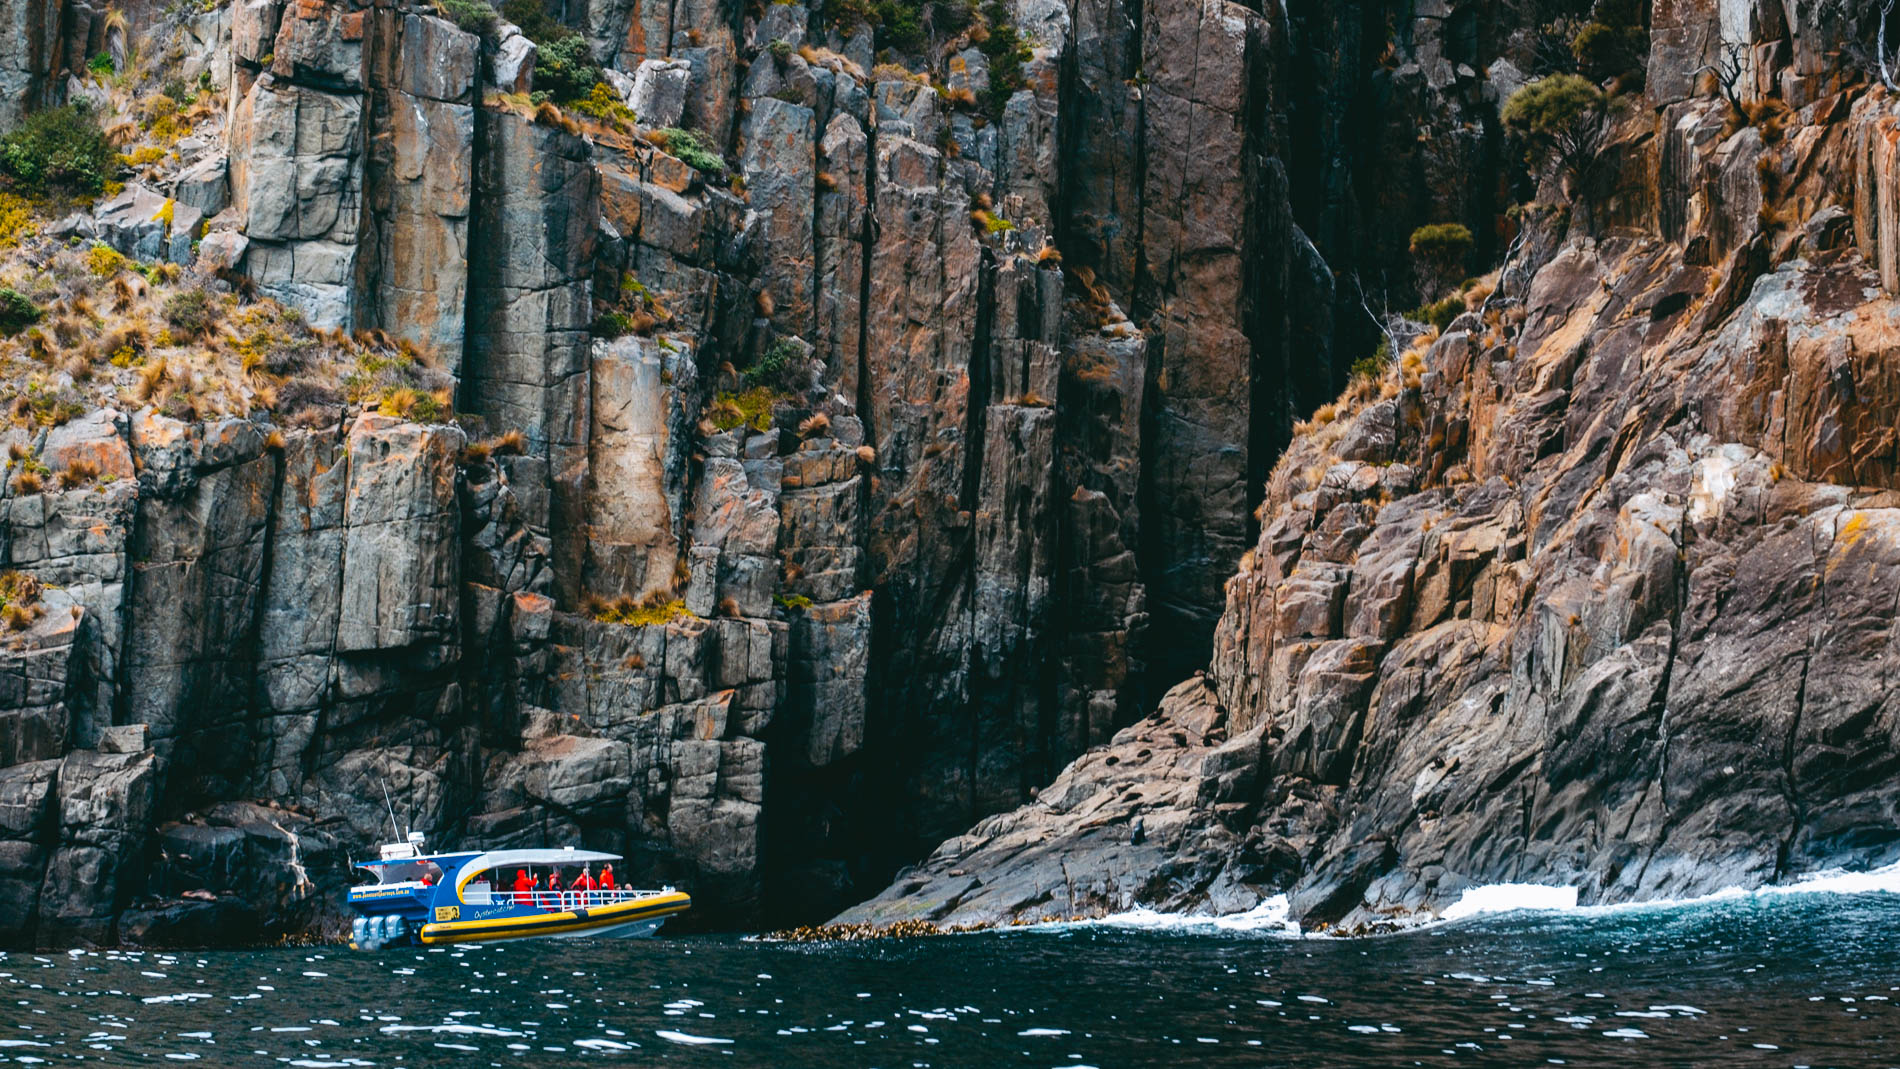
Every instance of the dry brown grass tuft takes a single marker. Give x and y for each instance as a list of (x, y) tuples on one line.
[(78, 473), (153, 378), (818, 426), (546, 114)]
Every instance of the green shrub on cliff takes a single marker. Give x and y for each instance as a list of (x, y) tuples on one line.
[(59, 149), (692, 150), (1613, 44), (1006, 51), (604, 105), (751, 408), (1561, 121), (564, 66), (778, 366), (565, 69), (1442, 242), (470, 16), (1374, 365), (1438, 313), (17, 311), (1441, 249), (190, 313), (533, 19)]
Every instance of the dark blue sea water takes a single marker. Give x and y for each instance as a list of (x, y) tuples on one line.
[(1784, 980)]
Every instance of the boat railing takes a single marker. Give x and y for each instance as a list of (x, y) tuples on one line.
[(570, 899)]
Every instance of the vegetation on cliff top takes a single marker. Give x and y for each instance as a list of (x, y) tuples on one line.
[(61, 150)]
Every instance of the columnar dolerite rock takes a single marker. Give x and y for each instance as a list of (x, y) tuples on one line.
[(1591, 588), (799, 464)]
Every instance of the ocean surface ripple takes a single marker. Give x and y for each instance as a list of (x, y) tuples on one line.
[(1744, 979)]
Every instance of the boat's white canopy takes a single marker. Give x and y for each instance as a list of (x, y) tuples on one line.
[(518, 859)]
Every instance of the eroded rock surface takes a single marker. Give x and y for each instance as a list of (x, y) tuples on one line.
[(1590, 589)]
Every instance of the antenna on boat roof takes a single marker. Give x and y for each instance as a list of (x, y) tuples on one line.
[(391, 806)]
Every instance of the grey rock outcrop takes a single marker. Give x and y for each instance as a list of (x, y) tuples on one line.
[(1544, 602)]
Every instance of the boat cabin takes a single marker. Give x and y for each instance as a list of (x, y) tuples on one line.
[(499, 894)]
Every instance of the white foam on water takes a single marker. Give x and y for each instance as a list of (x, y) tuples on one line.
[(451, 1029), (1884, 880), (687, 1038), (1270, 916), (1043, 1032), (602, 1044), (1509, 898)]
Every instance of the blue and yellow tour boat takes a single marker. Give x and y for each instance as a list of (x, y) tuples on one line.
[(477, 896)]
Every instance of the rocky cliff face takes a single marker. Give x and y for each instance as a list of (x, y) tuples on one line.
[(810, 441), (1592, 588), (1038, 318)]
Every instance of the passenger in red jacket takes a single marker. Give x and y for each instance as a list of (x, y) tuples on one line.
[(524, 887), (585, 885), (554, 890), (607, 878)]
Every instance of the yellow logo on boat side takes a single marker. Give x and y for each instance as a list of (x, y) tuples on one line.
[(447, 913)]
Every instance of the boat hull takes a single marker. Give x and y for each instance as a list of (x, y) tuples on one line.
[(621, 920)]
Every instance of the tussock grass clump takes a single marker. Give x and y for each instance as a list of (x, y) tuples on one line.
[(655, 608), (20, 595), (750, 408)]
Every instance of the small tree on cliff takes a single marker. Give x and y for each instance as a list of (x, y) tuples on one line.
[(1562, 121), (1613, 44), (1441, 249)]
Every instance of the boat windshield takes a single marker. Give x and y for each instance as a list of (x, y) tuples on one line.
[(406, 872)]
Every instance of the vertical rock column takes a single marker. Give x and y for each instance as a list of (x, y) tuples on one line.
[(298, 136), (1192, 299), (531, 252), (420, 171), (29, 56)]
